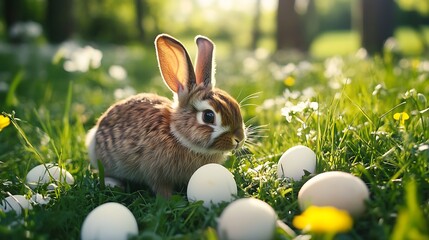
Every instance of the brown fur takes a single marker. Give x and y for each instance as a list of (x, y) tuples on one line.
[(148, 139)]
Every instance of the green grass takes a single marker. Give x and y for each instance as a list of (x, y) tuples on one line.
[(354, 132), (408, 42), (340, 42)]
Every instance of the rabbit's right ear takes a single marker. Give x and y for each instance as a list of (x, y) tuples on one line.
[(174, 63), (205, 62)]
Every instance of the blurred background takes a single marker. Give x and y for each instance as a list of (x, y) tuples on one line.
[(100, 51), (316, 28)]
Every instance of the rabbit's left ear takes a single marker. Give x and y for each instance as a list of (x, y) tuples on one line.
[(204, 68), (174, 63)]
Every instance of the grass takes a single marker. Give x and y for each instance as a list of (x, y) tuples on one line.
[(352, 131), (345, 42), (410, 42)]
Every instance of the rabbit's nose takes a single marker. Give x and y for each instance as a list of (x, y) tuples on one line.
[(238, 143)]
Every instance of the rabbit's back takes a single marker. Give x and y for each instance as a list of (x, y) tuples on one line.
[(128, 132), (134, 142)]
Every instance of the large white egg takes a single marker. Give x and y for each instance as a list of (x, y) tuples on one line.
[(109, 221), (294, 161), (212, 184), (42, 174), (16, 203), (338, 189), (247, 219)]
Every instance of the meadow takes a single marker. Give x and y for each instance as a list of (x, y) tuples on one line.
[(341, 107)]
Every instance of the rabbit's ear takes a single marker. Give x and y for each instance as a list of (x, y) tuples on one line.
[(205, 62), (174, 63)]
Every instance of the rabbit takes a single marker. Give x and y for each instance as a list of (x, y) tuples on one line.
[(150, 139)]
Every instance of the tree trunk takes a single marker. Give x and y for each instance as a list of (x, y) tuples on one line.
[(256, 31), (59, 20), (377, 24), (311, 20), (139, 19), (12, 11), (290, 30)]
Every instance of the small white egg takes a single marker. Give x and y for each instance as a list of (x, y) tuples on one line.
[(109, 221), (212, 184), (51, 187), (247, 219), (42, 174), (40, 199), (15, 203), (113, 183), (294, 161), (337, 189)]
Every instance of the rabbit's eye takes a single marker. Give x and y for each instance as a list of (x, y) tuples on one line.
[(208, 116)]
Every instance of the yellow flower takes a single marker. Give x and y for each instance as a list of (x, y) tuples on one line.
[(323, 220), (4, 122), (289, 81), (415, 63), (401, 117)]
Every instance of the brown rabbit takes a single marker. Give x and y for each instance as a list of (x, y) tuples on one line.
[(150, 139)]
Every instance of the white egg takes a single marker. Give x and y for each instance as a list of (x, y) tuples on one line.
[(42, 174), (16, 203), (213, 184), (294, 161), (247, 219), (109, 221), (113, 183), (338, 189), (40, 199)]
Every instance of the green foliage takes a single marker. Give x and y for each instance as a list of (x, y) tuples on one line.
[(421, 6), (109, 21), (351, 130), (411, 223), (345, 42)]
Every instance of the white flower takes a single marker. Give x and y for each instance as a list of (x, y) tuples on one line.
[(300, 107), (250, 64), (117, 72), (334, 84), (261, 53), (291, 95), (289, 69), (122, 93), (391, 45), (80, 59), (303, 68), (423, 147), (361, 54), (28, 29), (423, 66), (349, 128), (286, 112), (313, 105), (272, 102), (4, 87), (333, 67), (346, 81), (308, 93), (338, 82), (290, 109)]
